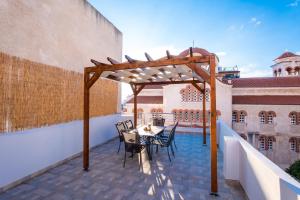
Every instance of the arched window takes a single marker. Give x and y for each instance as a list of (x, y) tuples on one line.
[(297, 71), (234, 116), (175, 115), (293, 144), (242, 117), (207, 95), (271, 115), (198, 115), (288, 70), (186, 115), (293, 118), (270, 143), (262, 117), (279, 72), (180, 115), (262, 143), (192, 115), (275, 73)]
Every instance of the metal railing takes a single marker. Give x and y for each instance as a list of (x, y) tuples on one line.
[(170, 119)]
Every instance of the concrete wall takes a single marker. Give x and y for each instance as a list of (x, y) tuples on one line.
[(27, 152), (61, 33), (260, 178)]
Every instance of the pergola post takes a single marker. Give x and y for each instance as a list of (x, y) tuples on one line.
[(86, 121), (213, 127), (203, 115), (135, 91)]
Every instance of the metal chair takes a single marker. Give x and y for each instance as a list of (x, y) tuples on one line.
[(128, 124), (166, 143), (133, 144), (121, 129), (159, 122)]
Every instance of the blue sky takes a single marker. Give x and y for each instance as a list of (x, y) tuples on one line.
[(249, 34)]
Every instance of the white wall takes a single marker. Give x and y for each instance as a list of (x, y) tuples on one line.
[(26, 152), (260, 178)]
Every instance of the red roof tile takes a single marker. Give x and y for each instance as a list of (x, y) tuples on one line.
[(292, 81), (286, 55), (266, 100), (148, 100)]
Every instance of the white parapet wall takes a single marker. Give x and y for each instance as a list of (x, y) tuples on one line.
[(260, 177), (25, 153)]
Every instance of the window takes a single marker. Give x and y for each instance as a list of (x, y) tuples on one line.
[(186, 115), (175, 115), (198, 115), (292, 144), (270, 144), (262, 143), (207, 94), (180, 115), (242, 117), (293, 119), (270, 119), (192, 113), (262, 118), (234, 116)]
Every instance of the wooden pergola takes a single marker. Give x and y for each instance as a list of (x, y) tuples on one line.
[(193, 66)]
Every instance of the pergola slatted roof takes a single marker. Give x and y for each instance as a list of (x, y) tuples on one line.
[(192, 66)]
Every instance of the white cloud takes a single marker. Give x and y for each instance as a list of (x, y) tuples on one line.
[(298, 52), (251, 70), (294, 3), (221, 53), (255, 21)]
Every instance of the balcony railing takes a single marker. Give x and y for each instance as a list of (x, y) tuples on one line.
[(267, 128), (146, 118), (239, 127), (295, 129)]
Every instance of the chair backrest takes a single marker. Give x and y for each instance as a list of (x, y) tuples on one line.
[(129, 124), (130, 139), (121, 129), (171, 135), (159, 122)]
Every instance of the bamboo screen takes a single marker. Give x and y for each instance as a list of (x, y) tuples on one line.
[(36, 95)]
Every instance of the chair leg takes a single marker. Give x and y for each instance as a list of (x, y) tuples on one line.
[(169, 154), (141, 162), (119, 147), (172, 150), (156, 148), (124, 160), (175, 144)]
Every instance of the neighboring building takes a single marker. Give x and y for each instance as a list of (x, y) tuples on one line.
[(287, 64), (227, 73), (264, 111)]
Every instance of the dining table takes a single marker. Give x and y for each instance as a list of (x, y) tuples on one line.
[(149, 134)]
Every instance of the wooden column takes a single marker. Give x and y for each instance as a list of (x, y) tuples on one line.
[(86, 120), (135, 109), (203, 115), (136, 90), (213, 127)]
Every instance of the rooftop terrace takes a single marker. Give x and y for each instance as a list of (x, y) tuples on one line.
[(186, 177)]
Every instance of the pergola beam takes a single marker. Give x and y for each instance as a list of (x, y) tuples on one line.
[(144, 64), (169, 82)]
